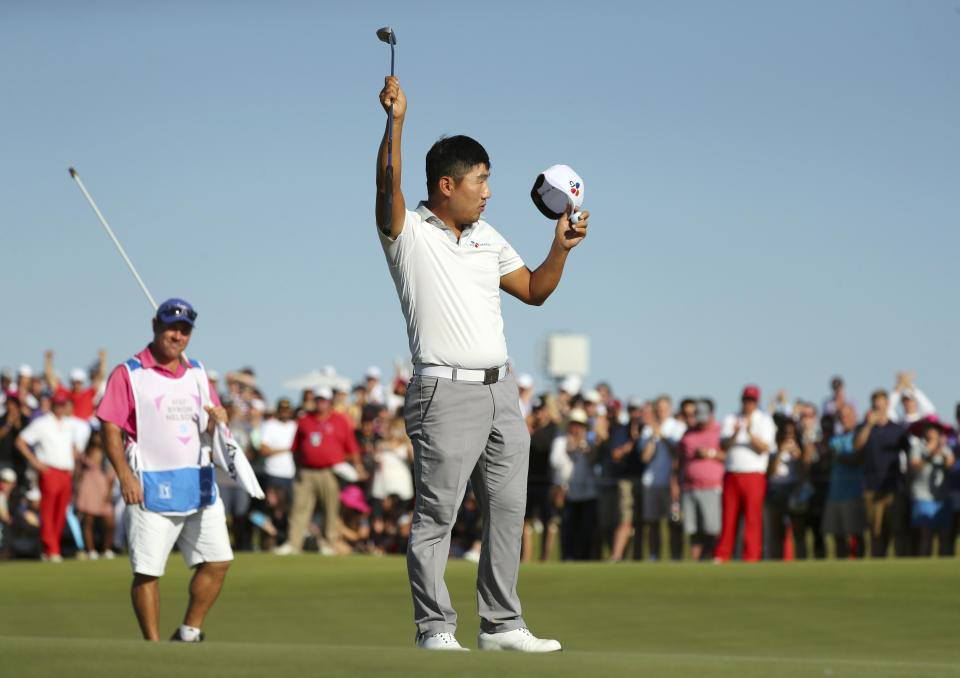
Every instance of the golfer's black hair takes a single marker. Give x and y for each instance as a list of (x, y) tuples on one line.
[(453, 157)]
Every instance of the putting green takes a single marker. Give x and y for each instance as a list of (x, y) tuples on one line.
[(352, 615)]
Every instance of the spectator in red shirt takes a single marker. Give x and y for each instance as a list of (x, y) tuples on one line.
[(323, 439), (83, 398)]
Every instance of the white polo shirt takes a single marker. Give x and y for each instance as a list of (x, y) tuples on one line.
[(52, 440), (742, 457), (279, 435), (450, 291)]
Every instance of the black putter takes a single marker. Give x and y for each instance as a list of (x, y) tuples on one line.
[(387, 35)]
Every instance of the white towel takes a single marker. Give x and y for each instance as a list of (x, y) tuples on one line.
[(228, 455)]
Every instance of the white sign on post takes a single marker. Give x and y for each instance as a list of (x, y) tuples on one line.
[(567, 354)]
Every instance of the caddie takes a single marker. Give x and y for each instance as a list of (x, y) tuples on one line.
[(462, 406), (158, 414)]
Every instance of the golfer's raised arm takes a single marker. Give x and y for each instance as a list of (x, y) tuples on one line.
[(533, 287), (391, 213)]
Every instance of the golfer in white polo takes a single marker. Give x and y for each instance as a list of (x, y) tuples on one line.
[(462, 407)]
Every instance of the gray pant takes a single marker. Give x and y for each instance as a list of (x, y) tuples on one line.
[(460, 431)]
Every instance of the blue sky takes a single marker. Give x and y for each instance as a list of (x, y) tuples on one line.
[(774, 186)]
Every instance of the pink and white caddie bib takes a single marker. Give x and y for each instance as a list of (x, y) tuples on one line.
[(174, 466)]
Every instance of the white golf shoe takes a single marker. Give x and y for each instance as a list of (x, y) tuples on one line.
[(520, 640), (440, 641)]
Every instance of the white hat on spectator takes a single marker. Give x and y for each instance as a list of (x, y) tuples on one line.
[(77, 374), (524, 380), (571, 384), (7, 474), (324, 392), (578, 416), (373, 372), (24, 371), (213, 375), (592, 396), (635, 403), (258, 405), (33, 494), (6, 373)]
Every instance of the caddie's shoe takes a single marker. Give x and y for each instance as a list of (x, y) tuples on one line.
[(440, 641), (520, 640), (177, 638)]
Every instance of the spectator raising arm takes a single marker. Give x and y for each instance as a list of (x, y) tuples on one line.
[(101, 375), (48, 372)]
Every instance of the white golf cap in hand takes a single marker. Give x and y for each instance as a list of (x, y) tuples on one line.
[(557, 188)]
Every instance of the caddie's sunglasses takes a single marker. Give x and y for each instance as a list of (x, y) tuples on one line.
[(177, 312)]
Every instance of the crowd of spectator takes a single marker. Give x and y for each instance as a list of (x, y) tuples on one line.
[(638, 478)]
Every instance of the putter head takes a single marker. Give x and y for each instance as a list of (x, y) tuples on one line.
[(387, 35)]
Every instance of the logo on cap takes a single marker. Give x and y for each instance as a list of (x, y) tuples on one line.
[(575, 187)]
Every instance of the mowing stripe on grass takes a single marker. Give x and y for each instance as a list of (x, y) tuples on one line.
[(665, 656)]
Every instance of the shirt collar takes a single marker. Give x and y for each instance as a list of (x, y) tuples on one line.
[(147, 360), (433, 219)]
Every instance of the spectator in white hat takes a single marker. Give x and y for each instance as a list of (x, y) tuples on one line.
[(592, 403), (525, 386), (375, 393), (25, 389), (907, 402), (569, 391), (573, 458)]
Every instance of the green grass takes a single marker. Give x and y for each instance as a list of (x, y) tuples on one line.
[(309, 615)]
